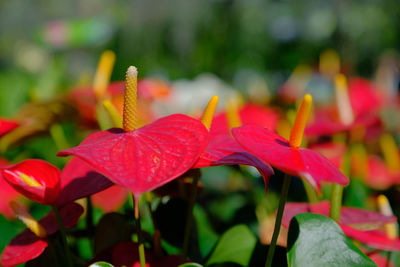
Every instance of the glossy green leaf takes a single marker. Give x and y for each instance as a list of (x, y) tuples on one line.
[(316, 240), (236, 245), (101, 264)]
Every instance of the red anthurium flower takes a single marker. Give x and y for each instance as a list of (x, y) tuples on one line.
[(353, 110), (36, 179), (126, 254), (326, 122), (7, 126), (144, 159), (42, 182), (110, 199), (274, 149), (350, 217), (27, 246)]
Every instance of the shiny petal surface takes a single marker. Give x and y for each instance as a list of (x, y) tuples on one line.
[(148, 157), (42, 172), (272, 148), (222, 149), (78, 180)]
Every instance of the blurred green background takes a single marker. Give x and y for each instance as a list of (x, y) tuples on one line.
[(182, 38)]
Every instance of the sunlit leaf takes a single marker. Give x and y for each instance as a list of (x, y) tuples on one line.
[(236, 245), (316, 240)]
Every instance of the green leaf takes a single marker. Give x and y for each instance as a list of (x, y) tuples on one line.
[(101, 264), (207, 236), (316, 240), (190, 264), (236, 245)]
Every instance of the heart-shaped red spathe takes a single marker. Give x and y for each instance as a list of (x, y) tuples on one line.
[(349, 215), (27, 246), (78, 179), (222, 149), (274, 149), (148, 157), (47, 175)]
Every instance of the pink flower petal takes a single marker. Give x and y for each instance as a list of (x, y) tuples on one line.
[(272, 148), (148, 157)]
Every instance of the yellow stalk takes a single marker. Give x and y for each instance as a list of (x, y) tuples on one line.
[(28, 220), (209, 112), (113, 112), (232, 114), (130, 121), (29, 180), (384, 207), (103, 73), (390, 152), (296, 135), (342, 100)]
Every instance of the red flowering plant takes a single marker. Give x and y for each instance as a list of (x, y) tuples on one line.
[(288, 157), (43, 183), (162, 150), (352, 111), (142, 159)]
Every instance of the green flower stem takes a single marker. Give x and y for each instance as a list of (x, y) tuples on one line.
[(59, 138), (63, 237), (388, 256), (278, 221), (89, 218), (311, 194), (336, 202), (189, 216), (142, 257)]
